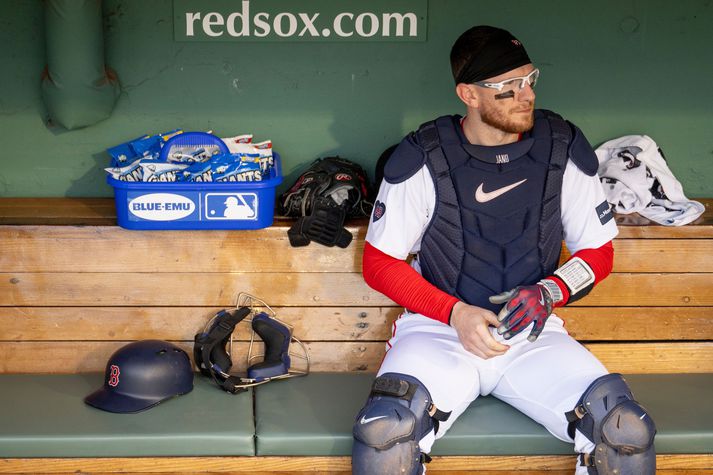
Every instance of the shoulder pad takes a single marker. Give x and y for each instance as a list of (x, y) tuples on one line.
[(581, 152), (407, 159)]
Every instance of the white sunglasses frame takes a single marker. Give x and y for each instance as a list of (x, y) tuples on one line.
[(500, 85)]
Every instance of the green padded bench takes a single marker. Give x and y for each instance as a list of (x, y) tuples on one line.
[(314, 416), (45, 416)]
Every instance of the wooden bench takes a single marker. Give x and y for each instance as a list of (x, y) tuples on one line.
[(74, 287)]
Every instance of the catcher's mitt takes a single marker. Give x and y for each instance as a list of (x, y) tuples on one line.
[(331, 190)]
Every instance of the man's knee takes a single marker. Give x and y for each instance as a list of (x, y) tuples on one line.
[(387, 431), (621, 429)]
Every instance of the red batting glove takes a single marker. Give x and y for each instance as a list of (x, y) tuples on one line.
[(523, 305)]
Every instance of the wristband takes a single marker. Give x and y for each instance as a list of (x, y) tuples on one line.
[(553, 289), (577, 276)]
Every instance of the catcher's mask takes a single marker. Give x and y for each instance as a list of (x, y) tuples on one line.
[(212, 347)]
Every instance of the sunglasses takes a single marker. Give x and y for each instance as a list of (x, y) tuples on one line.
[(512, 84)]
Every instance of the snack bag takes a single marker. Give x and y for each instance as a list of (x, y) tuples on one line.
[(263, 149), (237, 168), (197, 172), (122, 155), (131, 172), (158, 171), (245, 138)]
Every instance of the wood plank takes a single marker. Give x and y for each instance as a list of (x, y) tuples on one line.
[(58, 211), (668, 290), (666, 463), (182, 323), (295, 289), (113, 249), (661, 255), (78, 356), (185, 289), (638, 323), (660, 357), (690, 231), (329, 323)]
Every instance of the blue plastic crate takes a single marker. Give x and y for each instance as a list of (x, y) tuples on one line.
[(224, 205)]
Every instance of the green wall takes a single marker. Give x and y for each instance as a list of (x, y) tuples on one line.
[(612, 67)]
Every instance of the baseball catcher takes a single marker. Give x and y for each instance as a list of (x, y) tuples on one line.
[(484, 202)]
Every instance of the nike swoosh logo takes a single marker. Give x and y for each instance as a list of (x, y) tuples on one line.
[(364, 420), (483, 197)]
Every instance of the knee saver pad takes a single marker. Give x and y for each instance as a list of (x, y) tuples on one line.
[(620, 427), (389, 427)]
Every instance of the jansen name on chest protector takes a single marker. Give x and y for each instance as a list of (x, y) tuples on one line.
[(497, 221)]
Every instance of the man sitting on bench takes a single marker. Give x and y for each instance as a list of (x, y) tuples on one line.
[(484, 202)]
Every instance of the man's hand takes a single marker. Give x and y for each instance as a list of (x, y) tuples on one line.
[(471, 324), (523, 306)]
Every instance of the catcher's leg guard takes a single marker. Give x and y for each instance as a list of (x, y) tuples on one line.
[(621, 429), (398, 413)]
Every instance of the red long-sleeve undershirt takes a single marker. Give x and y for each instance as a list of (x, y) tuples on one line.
[(401, 283)]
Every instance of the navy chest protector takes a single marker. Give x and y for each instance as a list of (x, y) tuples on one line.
[(213, 347), (497, 220)]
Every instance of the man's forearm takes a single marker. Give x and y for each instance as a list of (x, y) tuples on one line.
[(402, 284)]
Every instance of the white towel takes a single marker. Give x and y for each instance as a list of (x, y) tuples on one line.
[(636, 179)]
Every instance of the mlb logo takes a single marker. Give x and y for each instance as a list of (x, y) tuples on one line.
[(231, 206)]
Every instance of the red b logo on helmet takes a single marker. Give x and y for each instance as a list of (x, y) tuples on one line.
[(114, 376)]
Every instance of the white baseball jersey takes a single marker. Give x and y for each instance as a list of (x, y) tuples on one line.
[(543, 379), (408, 209)]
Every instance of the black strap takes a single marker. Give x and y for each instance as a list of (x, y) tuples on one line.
[(233, 385), (438, 416), (446, 219), (324, 225), (428, 136), (297, 239), (225, 323), (395, 387), (205, 342), (587, 460), (579, 418), (574, 414), (441, 415), (550, 237)]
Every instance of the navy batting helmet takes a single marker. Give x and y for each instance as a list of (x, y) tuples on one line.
[(142, 374)]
